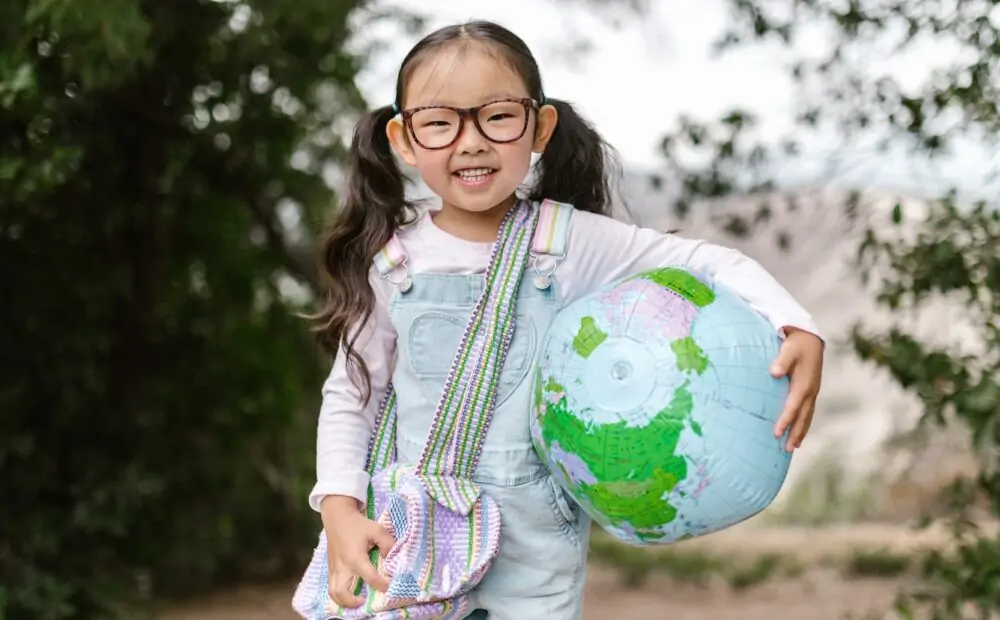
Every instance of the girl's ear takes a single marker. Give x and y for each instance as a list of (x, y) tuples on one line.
[(396, 132), (548, 118)]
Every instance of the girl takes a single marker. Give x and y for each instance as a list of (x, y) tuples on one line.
[(468, 114)]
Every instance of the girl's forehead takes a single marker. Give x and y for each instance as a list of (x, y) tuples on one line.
[(462, 76)]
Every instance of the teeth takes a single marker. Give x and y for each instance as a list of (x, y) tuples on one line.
[(474, 173)]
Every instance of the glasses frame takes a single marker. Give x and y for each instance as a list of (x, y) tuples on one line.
[(473, 113)]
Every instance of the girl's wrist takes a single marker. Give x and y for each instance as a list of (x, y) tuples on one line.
[(333, 506)]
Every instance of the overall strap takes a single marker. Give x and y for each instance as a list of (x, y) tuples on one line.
[(382, 443), (548, 246), (391, 257), (466, 407)]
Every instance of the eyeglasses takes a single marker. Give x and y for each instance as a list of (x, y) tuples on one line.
[(438, 127)]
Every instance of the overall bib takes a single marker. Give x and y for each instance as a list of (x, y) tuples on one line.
[(539, 572)]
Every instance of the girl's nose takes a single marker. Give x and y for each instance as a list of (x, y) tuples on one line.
[(470, 141)]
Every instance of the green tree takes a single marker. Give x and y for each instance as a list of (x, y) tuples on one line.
[(951, 252), (159, 161)]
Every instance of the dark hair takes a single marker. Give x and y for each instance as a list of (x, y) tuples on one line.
[(577, 167)]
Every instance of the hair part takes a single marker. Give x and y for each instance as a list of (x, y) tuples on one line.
[(577, 167)]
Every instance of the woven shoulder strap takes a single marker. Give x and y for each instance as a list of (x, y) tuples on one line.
[(466, 405)]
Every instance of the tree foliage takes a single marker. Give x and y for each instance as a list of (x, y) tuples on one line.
[(951, 251)]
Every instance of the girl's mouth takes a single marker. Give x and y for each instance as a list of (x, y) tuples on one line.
[(474, 176)]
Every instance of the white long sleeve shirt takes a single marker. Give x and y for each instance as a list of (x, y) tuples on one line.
[(599, 250)]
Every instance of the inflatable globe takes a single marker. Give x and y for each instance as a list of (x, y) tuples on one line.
[(655, 409)]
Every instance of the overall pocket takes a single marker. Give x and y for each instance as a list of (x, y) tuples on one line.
[(433, 336), (565, 510)]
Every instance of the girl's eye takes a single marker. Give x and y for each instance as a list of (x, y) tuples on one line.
[(500, 117)]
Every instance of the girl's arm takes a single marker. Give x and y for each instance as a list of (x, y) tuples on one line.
[(345, 422), (601, 250)]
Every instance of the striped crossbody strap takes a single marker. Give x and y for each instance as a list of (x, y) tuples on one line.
[(466, 406), (478, 360)]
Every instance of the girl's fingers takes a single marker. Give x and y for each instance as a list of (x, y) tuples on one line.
[(342, 590), (364, 568), (789, 414), (802, 424)]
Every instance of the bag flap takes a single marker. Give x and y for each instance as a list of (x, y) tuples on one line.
[(456, 494)]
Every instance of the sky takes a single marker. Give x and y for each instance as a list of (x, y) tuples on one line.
[(638, 79)]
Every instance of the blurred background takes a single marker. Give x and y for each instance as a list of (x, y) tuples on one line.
[(166, 167)]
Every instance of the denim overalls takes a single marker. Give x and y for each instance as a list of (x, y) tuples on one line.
[(539, 573)]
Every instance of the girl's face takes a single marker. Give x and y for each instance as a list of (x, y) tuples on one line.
[(471, 173)]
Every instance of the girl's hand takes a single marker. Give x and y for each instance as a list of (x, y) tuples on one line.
[(801, 359), (350, 536)]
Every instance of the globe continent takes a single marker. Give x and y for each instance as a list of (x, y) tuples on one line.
[(654, 407)]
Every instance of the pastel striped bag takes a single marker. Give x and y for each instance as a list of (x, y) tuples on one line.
[(447, 531)]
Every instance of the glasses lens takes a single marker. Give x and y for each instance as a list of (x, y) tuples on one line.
[(435, 127), (503, 121)]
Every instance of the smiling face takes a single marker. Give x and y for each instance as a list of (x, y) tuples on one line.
[(472, 173)]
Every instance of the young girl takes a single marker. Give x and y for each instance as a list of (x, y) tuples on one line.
[(468, 114)]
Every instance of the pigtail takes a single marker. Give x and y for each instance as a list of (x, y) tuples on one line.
[(578, 166), (373, 206)]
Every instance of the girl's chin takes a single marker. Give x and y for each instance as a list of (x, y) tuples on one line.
[(485, 203), (483, 196)]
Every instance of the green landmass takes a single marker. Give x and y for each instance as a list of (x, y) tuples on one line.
[(588, 338), (631, 490), (690, 357), (682, 283)]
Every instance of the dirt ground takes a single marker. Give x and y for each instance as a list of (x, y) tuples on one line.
[(819, 595), (820, 592)]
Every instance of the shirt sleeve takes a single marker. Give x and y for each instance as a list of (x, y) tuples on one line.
[(601, 250), (345, 420)]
